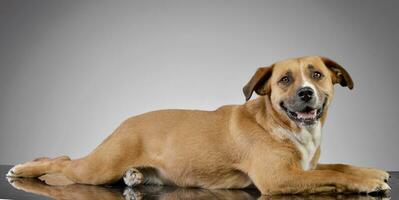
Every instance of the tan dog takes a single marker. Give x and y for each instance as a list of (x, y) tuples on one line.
[(272, 142)]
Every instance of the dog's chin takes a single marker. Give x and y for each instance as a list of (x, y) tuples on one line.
[(307, 117)]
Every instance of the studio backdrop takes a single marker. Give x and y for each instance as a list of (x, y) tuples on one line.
[(72, 71)]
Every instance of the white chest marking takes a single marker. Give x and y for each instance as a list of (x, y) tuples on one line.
[(306, 141)]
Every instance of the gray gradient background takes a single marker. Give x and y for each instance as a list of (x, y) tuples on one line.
[(71, 71)]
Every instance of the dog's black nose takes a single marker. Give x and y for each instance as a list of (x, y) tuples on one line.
[(305, 94)]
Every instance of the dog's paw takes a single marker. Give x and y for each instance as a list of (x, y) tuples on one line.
[(131, 194), (381, 187), (29, 170), (133, 177), (372, 186), (378, 174), (371, 173), (13, 171)]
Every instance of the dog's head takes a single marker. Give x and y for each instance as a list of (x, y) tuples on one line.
[(301, 88)]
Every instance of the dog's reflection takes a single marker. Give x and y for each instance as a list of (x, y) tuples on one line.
[(77, 191)]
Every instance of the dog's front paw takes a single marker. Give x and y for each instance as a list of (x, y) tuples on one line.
[(378, 174), (371, 186), (133, 177)]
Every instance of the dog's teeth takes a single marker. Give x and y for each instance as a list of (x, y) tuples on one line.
[(310, 115)]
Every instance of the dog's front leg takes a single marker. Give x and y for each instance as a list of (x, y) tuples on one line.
[(314, 181), (356, 171), (279, 172)]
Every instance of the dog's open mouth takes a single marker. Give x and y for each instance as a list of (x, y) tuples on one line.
[(307, 116)]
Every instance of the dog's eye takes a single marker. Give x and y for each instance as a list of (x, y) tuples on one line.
[(285, 79), (317, 75)]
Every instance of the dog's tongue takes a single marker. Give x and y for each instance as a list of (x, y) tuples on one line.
[(307, 115)]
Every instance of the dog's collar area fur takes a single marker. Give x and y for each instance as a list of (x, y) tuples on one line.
[(306, 141)]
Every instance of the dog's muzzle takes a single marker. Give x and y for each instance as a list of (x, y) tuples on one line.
[(302, 110), (305, 117)]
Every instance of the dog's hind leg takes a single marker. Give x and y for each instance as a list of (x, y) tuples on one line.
[(63, 170), (106, 164)]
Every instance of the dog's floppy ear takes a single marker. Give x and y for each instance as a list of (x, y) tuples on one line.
[(258, 82), (340, 75)]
